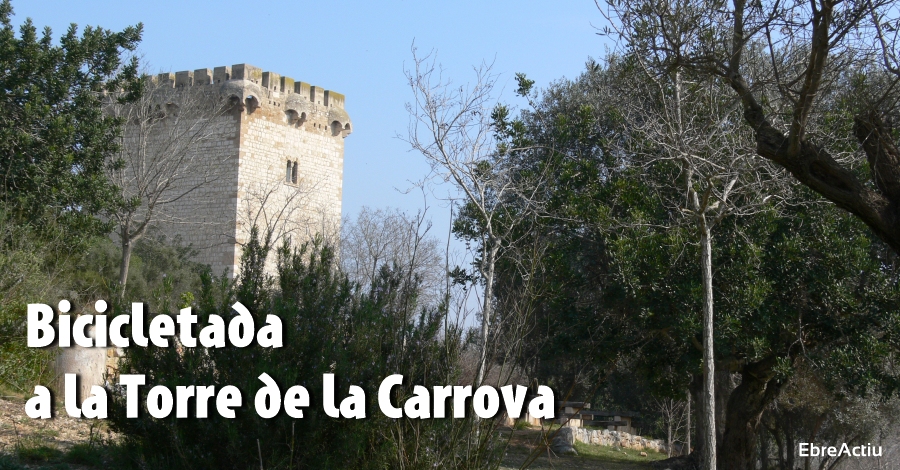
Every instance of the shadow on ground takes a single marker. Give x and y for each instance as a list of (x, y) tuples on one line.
[(525, 443)]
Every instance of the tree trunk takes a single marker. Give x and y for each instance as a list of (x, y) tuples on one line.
[(128, 239), (127, 246), (708, 392), (696, 389), (762, 451), (757, 390), (688, 426), (486, 309), (669, 440), (780, 445), (725, 384), (789, 456)]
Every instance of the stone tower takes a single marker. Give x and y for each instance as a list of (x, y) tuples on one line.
[(276, 150)]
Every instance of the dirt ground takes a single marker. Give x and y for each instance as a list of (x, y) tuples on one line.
[(61, 432)]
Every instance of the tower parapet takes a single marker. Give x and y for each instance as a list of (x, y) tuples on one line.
[(271, 82), (298, 102), (276, 148)]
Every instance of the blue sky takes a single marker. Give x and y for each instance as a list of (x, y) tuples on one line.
[(357, 48)]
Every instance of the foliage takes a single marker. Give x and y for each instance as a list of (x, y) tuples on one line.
[(55, 142), (622, 289), (808, 412), (30, 269), (787, 64), (161, 269), (55, 148), (329, 327), (85, 454), (33, 269), (37, 453), (7, 462)]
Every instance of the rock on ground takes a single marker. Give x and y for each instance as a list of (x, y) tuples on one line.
[(564, 442)]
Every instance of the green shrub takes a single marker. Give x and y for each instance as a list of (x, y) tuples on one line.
[(156, 260), (27, 268), (85, 454), (35, 270), (329, 327), (8, 462), (38, 453)]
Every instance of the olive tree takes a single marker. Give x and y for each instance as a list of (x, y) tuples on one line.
[(787, 63)]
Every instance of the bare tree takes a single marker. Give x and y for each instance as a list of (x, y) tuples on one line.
[(390, 237), (283, 213), (452, 128), (675, 418), (161, 161)]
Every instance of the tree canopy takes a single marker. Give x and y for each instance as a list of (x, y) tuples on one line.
[(55, 142), (798, 282)]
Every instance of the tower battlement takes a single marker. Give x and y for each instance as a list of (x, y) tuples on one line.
[(270, 82), (276, 150)]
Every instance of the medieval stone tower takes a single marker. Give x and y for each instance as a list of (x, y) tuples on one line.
[(271, 155)]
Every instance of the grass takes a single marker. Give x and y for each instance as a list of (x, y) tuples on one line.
[(521, 425), (35, 452), (7, 462), (85, 454), (522, 444), (616, 454), (52, 458), (38, 453), (45, 433)]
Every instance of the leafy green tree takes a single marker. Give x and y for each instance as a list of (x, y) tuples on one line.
[(811, 282), (55, 143), (55, 149)]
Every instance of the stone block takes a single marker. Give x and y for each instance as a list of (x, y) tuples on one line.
[(203, 77), (184, 78), (221, 74)]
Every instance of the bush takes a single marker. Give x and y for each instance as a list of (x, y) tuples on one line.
[(38, 453), (33, 269), (8, 462), (29, 265), (155, 261), (85, 454), (329, 327)]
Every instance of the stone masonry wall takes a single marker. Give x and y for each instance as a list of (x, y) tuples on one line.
[(204, 218), (264, 123), (605, 437), (300, 209)]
